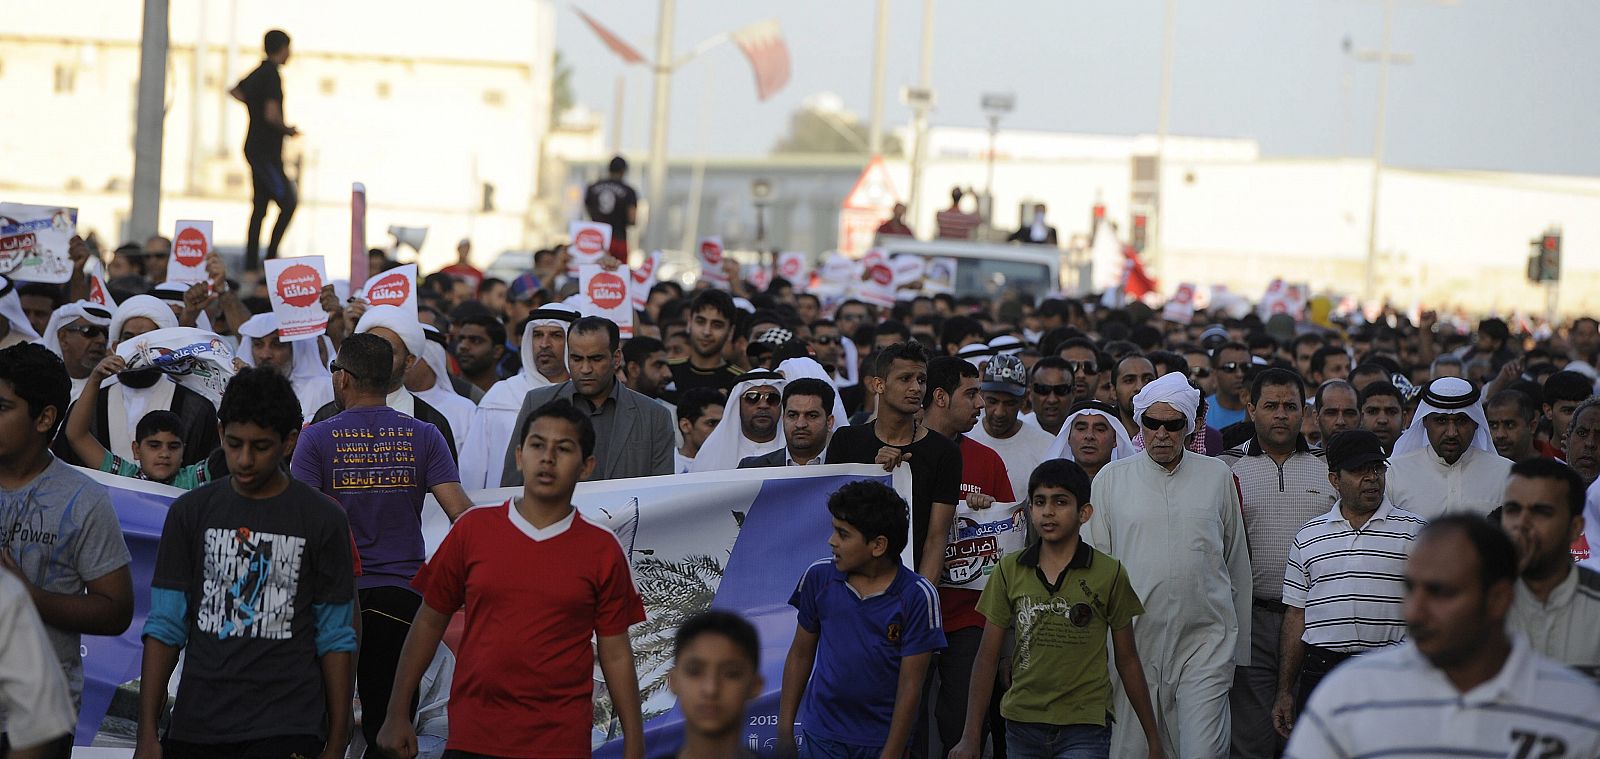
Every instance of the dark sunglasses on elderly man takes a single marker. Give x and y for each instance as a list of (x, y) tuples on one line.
[(1170, 425)]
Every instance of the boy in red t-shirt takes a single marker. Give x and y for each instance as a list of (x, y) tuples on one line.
[(537, 580)]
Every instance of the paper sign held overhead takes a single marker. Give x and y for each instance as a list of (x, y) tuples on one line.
[(191, 243), (878, 288), (395, 287), (908, 269), (591, 240), (34, 241), (709, 252), (940, 276), (644, 278), (295, 287), (100, 294), (606, 295), (795, 267), (1180, 308)]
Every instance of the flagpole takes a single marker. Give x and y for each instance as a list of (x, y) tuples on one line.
[(616, 115), (658, 126), (880, 56)]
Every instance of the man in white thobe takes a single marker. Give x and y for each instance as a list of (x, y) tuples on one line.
[(1445, 462), (751, 426), (304, 362), (1172, 517), (544, 363)]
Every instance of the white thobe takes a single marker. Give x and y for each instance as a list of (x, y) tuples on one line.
[(1181, 536), (489, 434), (1420, 482)]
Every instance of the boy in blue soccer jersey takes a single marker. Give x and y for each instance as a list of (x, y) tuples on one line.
[(867, 628)]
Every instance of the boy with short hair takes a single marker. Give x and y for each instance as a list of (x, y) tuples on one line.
[(1061, 596), (715, 675), (538, 580), (253, 581), (157, 439), (867, 627)]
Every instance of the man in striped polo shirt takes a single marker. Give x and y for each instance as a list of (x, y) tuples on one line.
[(1283, 484), (1345, 578), (1557, 604), (1462, 686)]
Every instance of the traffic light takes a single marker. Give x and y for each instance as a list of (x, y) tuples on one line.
[(1544, 259), (1140, 225)]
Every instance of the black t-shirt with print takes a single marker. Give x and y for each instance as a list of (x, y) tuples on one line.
[(251, 569), (935, 470)]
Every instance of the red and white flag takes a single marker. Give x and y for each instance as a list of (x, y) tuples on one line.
[(621, 48), (763, 44)]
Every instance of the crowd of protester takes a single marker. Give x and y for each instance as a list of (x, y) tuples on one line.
[(1246, 537)]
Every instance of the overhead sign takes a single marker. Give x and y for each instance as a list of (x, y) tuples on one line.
[(606, 296), (591, 240), (295, 288), (395, 287)]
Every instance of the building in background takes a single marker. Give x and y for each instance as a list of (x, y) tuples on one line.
[(441, 110)]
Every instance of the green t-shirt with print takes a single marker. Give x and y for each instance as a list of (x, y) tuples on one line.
[(1059, 672), (187, 478)]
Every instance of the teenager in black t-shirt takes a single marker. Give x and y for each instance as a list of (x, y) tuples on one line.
[(900, 378), (712, 320), (262, 93)]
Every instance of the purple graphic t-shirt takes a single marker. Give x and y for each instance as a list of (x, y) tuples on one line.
[(378, 464)]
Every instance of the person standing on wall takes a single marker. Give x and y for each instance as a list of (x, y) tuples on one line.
[(262, 93)]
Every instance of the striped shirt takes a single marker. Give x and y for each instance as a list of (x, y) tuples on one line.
[(1351, 581), (1395, 704), (1566, 627), (1278, 499)]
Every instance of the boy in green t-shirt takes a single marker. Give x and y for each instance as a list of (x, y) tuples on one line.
[(1061, 596), (157, 442)]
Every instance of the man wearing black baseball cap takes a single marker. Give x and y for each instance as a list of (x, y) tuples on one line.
[(1348, 606)]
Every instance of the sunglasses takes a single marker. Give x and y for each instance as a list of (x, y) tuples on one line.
[(1233, 367), (87, 330), (335, 368), (1061, 390), (825, 339), (1083, 367), (1199, 372), (755, 398), (1170, 425)]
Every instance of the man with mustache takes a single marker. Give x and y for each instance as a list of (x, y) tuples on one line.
[(1557, 605), (1445, 461)]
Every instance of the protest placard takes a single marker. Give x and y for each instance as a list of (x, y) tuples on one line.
[(191, 243), (710, 254), (795, 267), (1180, 307), (395, 287), (878, 288), (590, 242), (34, 241), (643, 278), (606, 295), (294, 285)]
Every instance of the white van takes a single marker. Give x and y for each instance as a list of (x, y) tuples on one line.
[(987, 269)]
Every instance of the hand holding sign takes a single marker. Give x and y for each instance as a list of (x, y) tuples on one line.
[(606, 295)]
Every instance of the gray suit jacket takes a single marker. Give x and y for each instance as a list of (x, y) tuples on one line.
[(643, 431), (779, 457)]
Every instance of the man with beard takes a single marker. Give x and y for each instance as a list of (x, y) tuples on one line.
[(1557, 605), (1050, 393), (1461, 686), (1383, 412), (303, 362), (77, 333), (1444, 462), (1282, 485), (1092, 436), (644, 367), (755, 403), (544, 363), (1021, 446), (1083, 361), (712, 321), (480, 346), (1172, 517), (1511, 416), (807, 420)]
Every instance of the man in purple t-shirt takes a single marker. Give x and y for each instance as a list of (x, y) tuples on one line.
[(379, 464)]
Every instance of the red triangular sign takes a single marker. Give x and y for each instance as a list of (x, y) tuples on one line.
[(873, 190)]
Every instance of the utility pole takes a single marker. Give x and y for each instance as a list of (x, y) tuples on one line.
[(1169, 35), (144, 217), (880, 56), (922, 101), (196, 81), (658, 126)]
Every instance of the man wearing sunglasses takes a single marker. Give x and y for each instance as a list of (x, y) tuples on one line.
[(1021, 445), (77, 333), (1173, 518), (1228, 365), (1051, 392), (756, 403)]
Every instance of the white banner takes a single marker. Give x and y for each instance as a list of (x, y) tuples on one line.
[(294, 286), (395, 287), (191, 243), (978, 538), (34, 241), (709, 252), (197, 359)]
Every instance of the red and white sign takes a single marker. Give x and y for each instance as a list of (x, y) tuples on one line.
[(395, 287), (591, 240), (908, 269), (644, 278), (869, 204), (795, 267), (295, 287), (1180, 308), (710, 254), (878, 288), (191, 243), (99, 293), (606, 296), (760, 276)]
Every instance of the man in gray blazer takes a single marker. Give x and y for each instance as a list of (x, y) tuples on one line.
[(633, 434)]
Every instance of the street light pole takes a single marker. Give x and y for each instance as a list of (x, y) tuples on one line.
[(1169, 34), (658, 125), (921, 104), (880, 57), (1370, 290), (994, 105)]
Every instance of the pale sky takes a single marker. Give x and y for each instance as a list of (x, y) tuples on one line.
[(1496, 84)]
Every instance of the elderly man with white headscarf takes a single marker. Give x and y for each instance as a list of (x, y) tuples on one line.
[(1092, 436), (429, 380), (304, 362), (1172, 517), (751, 424), (544, 363), (14, 325), (1445, 461), (134, 393), (77, 332), (404, 334)]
